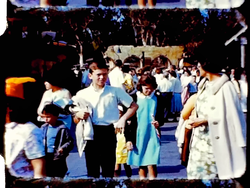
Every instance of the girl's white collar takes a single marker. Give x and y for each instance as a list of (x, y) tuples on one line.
[(141, 95)]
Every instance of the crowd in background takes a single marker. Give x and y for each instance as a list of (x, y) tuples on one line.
[(170, 80), (39, 139)]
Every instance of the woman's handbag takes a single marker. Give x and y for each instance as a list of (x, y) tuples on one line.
[(185, 147)]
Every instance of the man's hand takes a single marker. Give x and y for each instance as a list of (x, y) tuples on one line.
[(129, 146), (118, 130), (121, 123), (82, 115), (76, 120)]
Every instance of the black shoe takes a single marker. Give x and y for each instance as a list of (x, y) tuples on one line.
[(117, 173)]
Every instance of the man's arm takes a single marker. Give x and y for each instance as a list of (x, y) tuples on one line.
[(39, 167), (68, 146), (130, 112)]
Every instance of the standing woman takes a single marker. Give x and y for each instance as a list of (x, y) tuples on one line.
[(56, 94), (176, 89), (218, 146), (150, 116)]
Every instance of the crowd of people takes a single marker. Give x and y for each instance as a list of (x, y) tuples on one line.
[(118, 114)]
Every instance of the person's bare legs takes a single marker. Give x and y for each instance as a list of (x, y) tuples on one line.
[(152, 172), (151, 3), (142, 172), (117, 170), (142, 3)]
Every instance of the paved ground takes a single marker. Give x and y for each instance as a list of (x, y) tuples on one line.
[(83, 3), (160, 3), (169, 168)]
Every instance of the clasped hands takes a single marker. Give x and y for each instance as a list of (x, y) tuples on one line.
[(196, 122)]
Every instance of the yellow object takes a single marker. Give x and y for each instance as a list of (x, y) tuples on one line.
[(121, 149), (128, 82), (14, 86)]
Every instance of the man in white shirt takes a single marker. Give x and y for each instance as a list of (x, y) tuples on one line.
[(193, 71), (104, 100), (116, 76), (159, 75), (165, 87)]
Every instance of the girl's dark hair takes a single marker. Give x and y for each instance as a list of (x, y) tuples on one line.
[(146, 80), (52, 109)]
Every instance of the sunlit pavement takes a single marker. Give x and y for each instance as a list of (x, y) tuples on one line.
[(159, 4)]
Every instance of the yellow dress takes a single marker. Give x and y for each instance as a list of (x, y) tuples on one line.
[(128, 82)]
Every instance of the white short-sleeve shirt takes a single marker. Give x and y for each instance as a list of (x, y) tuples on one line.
[(116, 78), (60, 97), (104, 103), (23, 142)]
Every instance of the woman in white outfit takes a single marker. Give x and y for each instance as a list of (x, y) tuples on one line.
[(57, 95)]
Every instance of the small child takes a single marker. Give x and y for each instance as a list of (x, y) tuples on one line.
[(57, 140), (121, 150)]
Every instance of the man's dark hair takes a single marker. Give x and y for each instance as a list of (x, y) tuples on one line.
[(118, 63), (125, 68), (97, 63)]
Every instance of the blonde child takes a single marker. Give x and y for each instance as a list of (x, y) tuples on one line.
[(121, 149)]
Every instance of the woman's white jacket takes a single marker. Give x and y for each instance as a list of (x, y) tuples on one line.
[(226, 123)]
